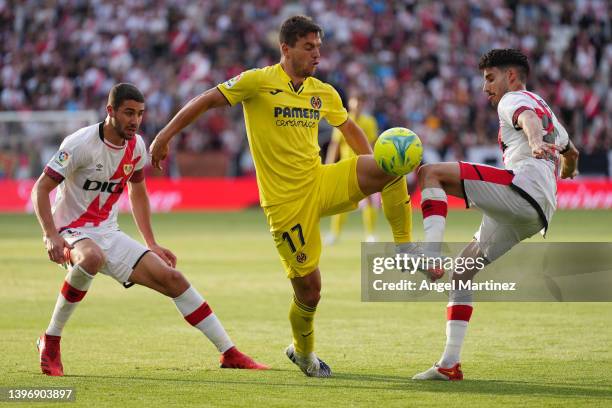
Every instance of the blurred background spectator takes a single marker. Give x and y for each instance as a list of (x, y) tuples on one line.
[(416, 60)]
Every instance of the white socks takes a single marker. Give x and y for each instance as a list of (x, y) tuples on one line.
[(75, 287), (458, 314), (190, 303), (435, 208), (197, 313), (455, 333)]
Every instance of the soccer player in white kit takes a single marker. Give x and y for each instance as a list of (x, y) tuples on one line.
[(517, 201), (92, 168)]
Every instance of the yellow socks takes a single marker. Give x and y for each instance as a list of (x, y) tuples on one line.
[(397, 208), (302, 325)]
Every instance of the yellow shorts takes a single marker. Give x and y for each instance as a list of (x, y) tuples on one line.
[(295, 225)]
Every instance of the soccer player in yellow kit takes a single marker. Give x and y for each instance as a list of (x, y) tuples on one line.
[(283, 105), (337, 145)]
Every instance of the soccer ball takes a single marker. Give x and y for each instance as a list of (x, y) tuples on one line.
[(398, 151)]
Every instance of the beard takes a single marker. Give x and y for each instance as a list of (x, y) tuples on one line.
[(308, 72), (304, 72), (500, 94), (122, 133)]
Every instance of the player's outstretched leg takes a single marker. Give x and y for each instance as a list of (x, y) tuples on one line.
[(86, 257), (395, 198), (436, 181), (458, 314), (152, 272), (307, 293), (398, 209)]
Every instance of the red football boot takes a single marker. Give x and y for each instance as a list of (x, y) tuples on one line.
[(50, 355), (233, 358)]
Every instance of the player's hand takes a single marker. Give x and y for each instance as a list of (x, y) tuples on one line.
[(165, 254), (569, 162), (568, 173), (159, 151), (58, 248), (542, 150), (569, 169)]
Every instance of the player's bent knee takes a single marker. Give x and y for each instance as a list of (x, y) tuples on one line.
[(311, 298), (174, 277), (426, 171), (311, 294), (175, 282), (370, 177), (443, 175), (91, 260), (308, 294)]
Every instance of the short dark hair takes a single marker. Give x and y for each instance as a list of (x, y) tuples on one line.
[(124, 92), (297, 27), (504, 58)]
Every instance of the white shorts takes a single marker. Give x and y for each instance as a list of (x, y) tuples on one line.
[(121, 251), (509, 217)]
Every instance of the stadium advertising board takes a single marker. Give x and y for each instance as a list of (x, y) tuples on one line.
[(220, 194)]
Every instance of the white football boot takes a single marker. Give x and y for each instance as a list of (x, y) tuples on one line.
[(436, 372), (310, 365)]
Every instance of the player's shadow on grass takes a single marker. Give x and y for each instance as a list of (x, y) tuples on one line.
[(500, 387), (490, 387), (395, 383)]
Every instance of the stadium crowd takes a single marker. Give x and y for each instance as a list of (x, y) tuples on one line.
[(416, 60)]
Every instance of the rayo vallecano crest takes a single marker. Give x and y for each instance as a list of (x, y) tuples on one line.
[(127, 168)]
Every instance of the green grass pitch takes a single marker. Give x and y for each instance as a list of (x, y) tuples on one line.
[(131, 347)]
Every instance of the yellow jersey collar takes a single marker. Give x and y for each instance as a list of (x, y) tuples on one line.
[(287, 79)]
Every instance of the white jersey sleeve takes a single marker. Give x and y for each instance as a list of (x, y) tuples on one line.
[(69, 158), (511, 106)]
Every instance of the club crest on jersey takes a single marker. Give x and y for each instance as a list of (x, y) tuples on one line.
[(231, 82), (127, 168), (315, 102), (301, 257), (62, 158)]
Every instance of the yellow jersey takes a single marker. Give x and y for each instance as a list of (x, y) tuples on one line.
[(367, 123), (282, 125)]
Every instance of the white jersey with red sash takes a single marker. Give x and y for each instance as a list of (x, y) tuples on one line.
[(92, 174), (535, 177)]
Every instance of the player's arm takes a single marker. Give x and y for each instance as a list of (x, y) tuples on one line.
[(569, 161), (355, 137), (141, 210), (54, 243), (210, 99), (531, 124)]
